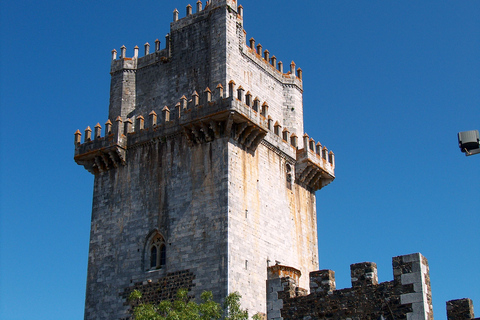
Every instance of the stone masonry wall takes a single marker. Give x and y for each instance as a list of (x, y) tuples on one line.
[(252, 68), (406, 297), (268, 222), (165, 288), (178, 191), (210, 174), (461, 309)]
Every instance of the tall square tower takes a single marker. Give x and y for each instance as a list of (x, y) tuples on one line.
[(204, 176)]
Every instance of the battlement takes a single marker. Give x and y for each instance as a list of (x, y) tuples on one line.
[(408, 296), (269, 63), (460, 309), (254, 53), (203, 118)]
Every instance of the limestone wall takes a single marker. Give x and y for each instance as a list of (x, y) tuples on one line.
[(169, 187), (268, 222)]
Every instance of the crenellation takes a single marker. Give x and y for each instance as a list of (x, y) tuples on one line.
[(240, 92), (135, 52), (139, 123), (318, 149), (123, 52), (187, 196), (460, 309), (366, 299), (147, 49), (98, 131), (285, 134), (78, 138), (322, 281), (128, 126), (175, 15), (185, 111), (119, 128), (294, 140), (166, 113), (211, 157), (108, 127), (88, 134), (184, 102), (178, 109), (208, 95), (299, 73), (292, 68), (273, 61), (264, 111), (363, 274), (259, 49), (219, 91)]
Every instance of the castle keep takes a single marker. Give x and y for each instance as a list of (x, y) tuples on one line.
[(204, 176), (205, 179)]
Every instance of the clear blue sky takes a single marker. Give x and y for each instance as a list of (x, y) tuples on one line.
[(388, 84)]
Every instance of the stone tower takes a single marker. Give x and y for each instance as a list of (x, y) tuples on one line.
[(204, 176)]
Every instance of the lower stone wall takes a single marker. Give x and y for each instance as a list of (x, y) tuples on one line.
[(370, 302), (162, 289), (408, 296)]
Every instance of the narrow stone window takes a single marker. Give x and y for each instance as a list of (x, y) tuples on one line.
[(157, 251)]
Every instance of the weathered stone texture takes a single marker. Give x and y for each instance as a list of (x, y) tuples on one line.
[(367, 299), (460, 309), (164, 288), (190, 154)]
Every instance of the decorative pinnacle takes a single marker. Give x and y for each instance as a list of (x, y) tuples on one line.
[(175, 15)]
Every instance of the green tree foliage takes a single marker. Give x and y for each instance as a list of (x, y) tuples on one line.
[(184, 309)]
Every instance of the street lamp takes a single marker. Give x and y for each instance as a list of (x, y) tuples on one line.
[(469, 142)]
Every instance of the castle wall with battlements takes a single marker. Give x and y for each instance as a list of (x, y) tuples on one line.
[(204, 48), (204, 176), (408, 296)]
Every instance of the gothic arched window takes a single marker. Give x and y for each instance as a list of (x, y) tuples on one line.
[(158, 252)]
